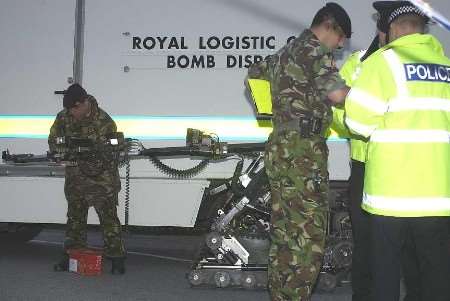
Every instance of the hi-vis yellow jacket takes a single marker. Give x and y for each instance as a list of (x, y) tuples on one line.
[(349, 72), (401, 102)]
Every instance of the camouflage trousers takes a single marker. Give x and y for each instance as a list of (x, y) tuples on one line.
[(76, 231), (298, 175)]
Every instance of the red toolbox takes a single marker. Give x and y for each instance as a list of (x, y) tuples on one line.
[(85, 261)]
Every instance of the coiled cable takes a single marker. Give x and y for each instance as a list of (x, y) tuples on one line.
[(127, 192), (179, 173)]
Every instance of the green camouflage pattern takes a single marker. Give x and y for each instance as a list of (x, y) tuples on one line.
[(301, 75), (77, 213), (93, 179), (94, 171), (298, 177)]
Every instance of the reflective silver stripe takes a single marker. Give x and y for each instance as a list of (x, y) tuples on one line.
[(410, 136), (362, 129), (361, 54), (367, 101), (413, 204), (419, 104), (398, 72), (358, 68)]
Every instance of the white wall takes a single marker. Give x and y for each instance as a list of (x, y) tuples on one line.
[(150, 88), (36, 54), (37, 51)]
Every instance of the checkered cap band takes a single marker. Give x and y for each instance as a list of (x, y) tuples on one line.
[(409, 9)]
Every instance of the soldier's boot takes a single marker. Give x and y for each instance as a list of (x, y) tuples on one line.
[(63, 264), (118, 265)]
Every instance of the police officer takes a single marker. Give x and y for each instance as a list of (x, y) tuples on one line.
[(360, 219), (361, 276), (303, 78), (90, 182), (406, 91)]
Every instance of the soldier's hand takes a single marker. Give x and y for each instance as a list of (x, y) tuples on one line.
[(338, 96)]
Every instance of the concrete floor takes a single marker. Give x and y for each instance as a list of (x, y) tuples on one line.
[(156, 269)]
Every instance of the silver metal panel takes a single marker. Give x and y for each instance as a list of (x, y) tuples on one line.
[(36, 54), (338, 160), (153, 202), (165, 202), (32, 200), (35, 200), (150, 88)]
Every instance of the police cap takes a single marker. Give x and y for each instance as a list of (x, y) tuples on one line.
[(391, 10), (341, 17), (75, 93), (382, 22)]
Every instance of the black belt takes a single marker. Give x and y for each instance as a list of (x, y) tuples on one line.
[(307, 126), (310, 126)]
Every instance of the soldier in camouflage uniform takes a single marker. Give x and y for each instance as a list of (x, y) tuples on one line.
[(303, 80), (93, 180)]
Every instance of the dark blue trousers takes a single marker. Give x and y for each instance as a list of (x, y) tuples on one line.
[(430, 238)]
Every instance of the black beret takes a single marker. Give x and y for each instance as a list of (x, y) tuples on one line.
[(341, 17), (391, 10), (75, 93)]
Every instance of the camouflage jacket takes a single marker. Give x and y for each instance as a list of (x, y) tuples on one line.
[(301, 74), (94, 168)]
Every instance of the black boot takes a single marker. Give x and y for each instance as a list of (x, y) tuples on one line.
[(118, 265), (63, 264)]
